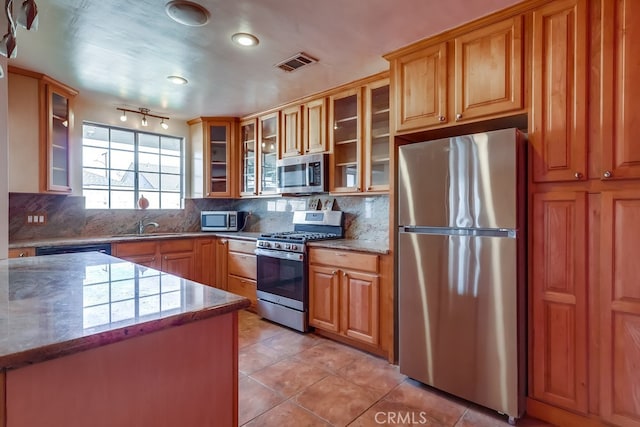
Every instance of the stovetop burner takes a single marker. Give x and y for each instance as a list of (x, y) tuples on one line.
[(308, 226)]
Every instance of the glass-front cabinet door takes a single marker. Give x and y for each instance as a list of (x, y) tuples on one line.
[(377, 137), (345, 140), (219, 158), (248, 185), (59, 119), (268, 137)]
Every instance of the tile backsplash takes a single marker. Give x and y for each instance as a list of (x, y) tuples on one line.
[(366, 217)]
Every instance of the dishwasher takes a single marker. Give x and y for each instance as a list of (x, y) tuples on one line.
[(104, 248)]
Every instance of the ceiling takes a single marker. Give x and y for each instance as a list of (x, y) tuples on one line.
[(122, 51)]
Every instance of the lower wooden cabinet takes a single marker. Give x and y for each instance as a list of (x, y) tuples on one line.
[(205, 261), (344, 294), (559, 300), (21, 252), (242, 270), (174, 256)]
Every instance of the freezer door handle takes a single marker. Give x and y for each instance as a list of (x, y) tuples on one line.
[(444, 231)]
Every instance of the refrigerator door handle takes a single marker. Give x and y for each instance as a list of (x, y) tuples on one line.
[(444, 231)]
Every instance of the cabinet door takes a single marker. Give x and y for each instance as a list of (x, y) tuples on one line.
[(268, 131), (221, 264), (420, 80), (559, 300), (324, 298), (244, 287), (291, 131), (248, 168), (143, 253), (377, 137), (205, 261), (346, 141), (620, 89), (620, 307), (180, 264), (218, 150), (21, 252), (559, 134), (488, 70), (359, 306), (56, 144), (315, 126)]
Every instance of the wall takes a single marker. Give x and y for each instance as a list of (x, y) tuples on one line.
[(4, 175), (366, 217)]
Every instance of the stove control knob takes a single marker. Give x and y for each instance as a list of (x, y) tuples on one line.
[(294, 247), (265, 244), (276, 245), (287, 246)]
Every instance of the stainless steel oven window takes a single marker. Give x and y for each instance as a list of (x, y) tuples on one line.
[(282, 277)]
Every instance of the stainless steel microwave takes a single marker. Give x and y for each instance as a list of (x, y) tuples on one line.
[(302, 174), (222, 220)]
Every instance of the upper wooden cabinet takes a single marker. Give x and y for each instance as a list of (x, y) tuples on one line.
[(39, 154), (620, 69), (268, 137), (304, 128), (345, 117), (376, 136), (558, 133), (291, 141), (213, 166), (487, 82), (315, 126), (420, 80), (488, 71), (248, 158)]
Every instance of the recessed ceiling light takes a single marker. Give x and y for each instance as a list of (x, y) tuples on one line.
[(245, 39), (187, 13), (177, 80)]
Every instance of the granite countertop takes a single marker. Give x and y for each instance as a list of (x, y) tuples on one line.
[(344, 244), (55, 305)]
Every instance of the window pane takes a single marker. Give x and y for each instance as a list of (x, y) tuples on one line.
[(95, 135), (95, 178), (170, 164), (171, 201), (96, 199), (122, 160), (149, 181), (148, 162), (122, 179), (95, 157), (170, 183), (122, 139), (171, 146), (122, 199), (154, 199), (148, 143)]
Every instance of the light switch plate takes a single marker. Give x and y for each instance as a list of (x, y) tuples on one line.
[(313, 204), (327, 204)]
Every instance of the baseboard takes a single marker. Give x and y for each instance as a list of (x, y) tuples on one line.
[(559, 417)]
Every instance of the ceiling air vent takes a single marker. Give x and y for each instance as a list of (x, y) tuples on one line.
[(296, 61)]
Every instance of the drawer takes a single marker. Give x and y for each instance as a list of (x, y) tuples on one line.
[(21, 252), (344, 259), (134, 248), (243, 287), (242, 265), (176, 245), (245, 246)]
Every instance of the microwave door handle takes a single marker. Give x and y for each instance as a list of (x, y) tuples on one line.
[(309, 173)]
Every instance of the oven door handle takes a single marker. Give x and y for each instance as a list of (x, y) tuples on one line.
[(291, 256)]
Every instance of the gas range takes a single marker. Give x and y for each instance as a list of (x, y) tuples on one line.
[(308, 226)]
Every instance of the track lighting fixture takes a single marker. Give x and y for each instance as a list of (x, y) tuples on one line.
[(144, 112), (26, 16)]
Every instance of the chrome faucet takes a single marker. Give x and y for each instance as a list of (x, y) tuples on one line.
[(142, 225)]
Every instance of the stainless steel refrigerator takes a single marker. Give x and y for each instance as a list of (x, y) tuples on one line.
[(461, 286)]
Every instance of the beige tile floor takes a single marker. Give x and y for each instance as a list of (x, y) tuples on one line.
[(292, 379)]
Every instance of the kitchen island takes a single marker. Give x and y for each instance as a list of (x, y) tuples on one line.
[(89, 339)]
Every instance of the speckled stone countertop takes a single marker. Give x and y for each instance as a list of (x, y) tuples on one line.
[(344, 244), (55, 305)]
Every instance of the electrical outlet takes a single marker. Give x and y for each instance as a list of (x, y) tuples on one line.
[(36, 218)]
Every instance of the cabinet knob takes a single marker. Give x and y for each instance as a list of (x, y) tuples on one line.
[(333, 273), (442, 118), (578, 175), (344, 274), (21, 254), (458, 116), (607, 174)]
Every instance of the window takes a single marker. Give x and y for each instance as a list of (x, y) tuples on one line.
[(119, 166)]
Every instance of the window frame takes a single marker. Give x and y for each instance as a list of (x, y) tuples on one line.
[(137, 170)]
